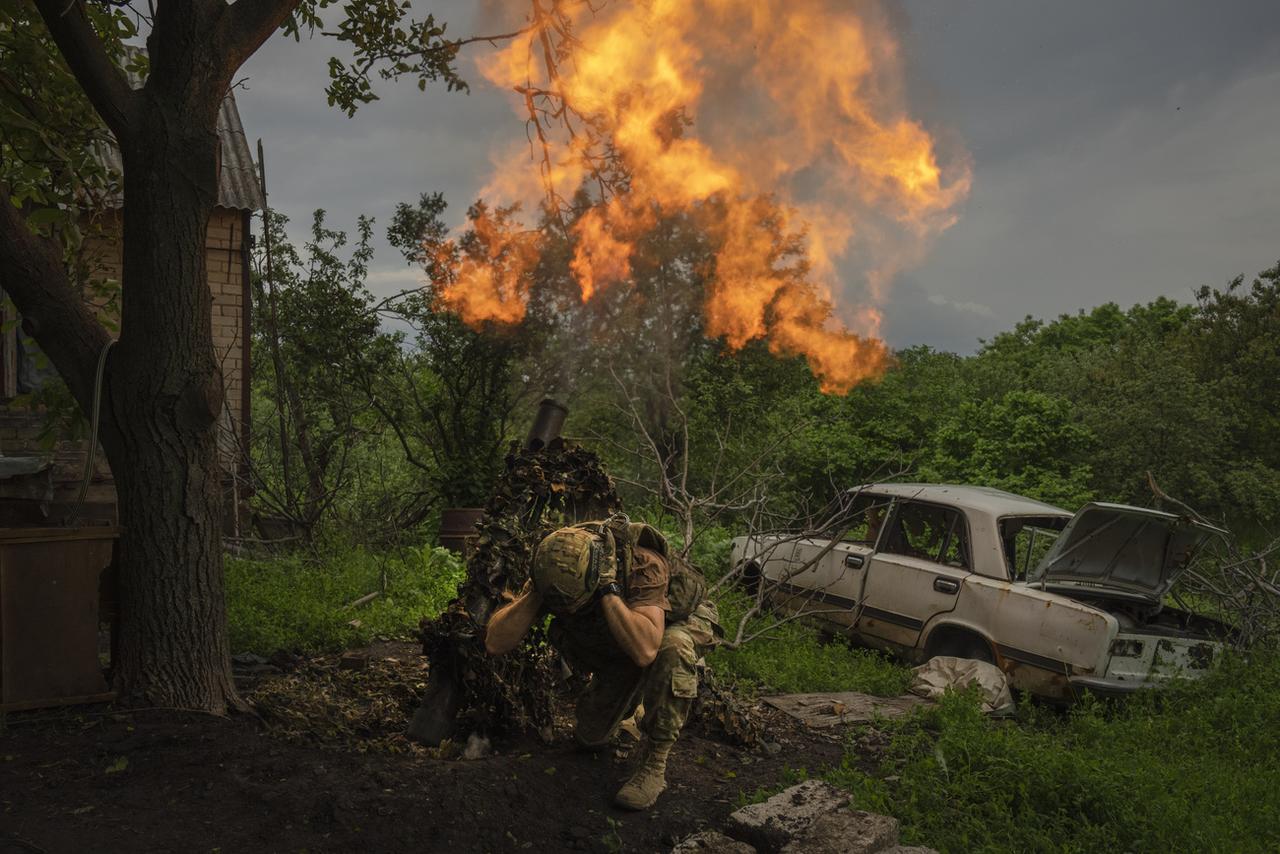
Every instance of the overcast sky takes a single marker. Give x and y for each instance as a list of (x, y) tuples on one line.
[(1120, 151)]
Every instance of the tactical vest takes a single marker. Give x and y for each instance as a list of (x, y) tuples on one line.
[(686, 586)]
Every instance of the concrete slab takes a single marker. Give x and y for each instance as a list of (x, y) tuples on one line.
[(843, 707), (846, 832), (772, 824)]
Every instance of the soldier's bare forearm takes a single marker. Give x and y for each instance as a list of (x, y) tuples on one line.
[(637, 630), (509, 624)]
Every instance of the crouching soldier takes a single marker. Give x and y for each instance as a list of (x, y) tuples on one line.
[(636, 618)]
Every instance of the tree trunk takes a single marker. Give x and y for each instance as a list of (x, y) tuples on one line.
[(173, 644), (165, 394)]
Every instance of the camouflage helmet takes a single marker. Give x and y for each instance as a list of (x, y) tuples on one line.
[(566, 568)]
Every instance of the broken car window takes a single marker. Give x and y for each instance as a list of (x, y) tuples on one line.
[(865, 519), (929, 532), (1027, 540), (956, 550)]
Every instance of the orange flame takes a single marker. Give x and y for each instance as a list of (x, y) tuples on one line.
[(489, 282), (798, 101), (604, 244)]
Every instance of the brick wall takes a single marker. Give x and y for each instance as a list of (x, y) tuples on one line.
[(226, 280)]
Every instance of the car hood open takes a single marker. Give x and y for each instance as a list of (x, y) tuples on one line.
[(1117, 549)]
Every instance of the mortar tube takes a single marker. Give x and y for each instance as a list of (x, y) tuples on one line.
[(547, 424)]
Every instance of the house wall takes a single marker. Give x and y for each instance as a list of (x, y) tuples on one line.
[(20, 428), (224, 248)]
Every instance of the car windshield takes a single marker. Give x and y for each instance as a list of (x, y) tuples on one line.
[(1027, 540)]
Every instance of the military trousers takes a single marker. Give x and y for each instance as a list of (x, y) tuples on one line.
[(667, 687)]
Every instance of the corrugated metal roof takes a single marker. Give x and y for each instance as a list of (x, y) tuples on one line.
[(238, 186)]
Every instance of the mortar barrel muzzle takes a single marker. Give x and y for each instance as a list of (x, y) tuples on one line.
[(547, 424)]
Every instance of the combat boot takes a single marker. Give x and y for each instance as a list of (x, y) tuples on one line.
[(642, 790)]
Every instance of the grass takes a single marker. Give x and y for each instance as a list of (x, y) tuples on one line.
[(792, 658), (1190, 769), (297, 602)]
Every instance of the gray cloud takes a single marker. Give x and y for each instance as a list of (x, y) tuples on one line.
[(1121, 152), (962, 307), (915, 316), (404, 144)]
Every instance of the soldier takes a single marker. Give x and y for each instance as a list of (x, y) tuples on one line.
[(634, 616)]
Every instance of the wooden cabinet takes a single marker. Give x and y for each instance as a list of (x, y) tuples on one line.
[(49, 594)]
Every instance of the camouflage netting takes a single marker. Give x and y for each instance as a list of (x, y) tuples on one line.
[(541, 490), (722, 715)]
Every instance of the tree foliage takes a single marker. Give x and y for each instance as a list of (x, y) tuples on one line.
[(317, 342), (451, 396)]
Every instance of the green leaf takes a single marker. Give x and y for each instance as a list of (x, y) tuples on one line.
[(45, 216)]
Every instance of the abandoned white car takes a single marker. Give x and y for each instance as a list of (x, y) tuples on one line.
[(1059, 602)]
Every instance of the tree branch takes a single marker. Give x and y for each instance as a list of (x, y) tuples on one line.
[(246, 24), (58, 319), (104, 84)]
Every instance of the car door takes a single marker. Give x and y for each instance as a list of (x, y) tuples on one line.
[(915, 574), (828, 571)]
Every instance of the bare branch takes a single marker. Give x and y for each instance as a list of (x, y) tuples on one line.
[(1229, 584)]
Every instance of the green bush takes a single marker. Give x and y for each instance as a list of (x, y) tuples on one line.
[(297, 602), (1189, 769), (710, 552)]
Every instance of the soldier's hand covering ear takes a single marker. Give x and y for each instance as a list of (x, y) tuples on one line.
[(615, 541), (608, 568)]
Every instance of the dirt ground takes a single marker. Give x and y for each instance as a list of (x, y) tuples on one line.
[(342, 778)]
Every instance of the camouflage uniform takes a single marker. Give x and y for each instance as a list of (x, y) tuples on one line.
[(667, 687)]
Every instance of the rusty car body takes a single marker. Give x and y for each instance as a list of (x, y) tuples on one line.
[(1061, 602)]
